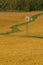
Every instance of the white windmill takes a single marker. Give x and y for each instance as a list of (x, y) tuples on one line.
[(27, 19)]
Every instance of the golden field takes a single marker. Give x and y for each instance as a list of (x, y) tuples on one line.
[(16, 50)]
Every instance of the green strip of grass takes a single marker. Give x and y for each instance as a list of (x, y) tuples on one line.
[(15, 29), (33, 19), (40, 37)]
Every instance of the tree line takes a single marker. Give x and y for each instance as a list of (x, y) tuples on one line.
[(21, 5)]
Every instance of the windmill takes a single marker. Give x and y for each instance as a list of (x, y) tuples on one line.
[(27, 20)]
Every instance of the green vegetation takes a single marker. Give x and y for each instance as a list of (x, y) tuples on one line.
[(41, 37), (21, 5)]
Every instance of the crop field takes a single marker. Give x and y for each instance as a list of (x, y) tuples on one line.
[(19, 45)]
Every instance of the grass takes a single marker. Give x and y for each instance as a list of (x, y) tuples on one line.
[(33, 17), (15, 29), (17, 48), (40, 37)]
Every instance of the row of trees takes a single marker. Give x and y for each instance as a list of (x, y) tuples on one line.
[(21, 5)]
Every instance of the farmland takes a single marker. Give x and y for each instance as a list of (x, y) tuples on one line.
[(18, 47)]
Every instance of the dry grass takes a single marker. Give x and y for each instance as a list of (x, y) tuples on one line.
[(21, 51), (34, 28), (18, 50)]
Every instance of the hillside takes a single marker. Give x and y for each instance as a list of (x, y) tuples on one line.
[(20, 48)]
